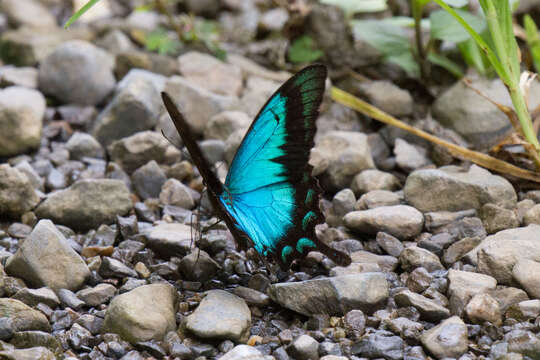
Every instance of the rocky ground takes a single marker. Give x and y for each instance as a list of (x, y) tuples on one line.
[(98, 256)]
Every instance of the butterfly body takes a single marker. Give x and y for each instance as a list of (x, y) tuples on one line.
[(269, 198)]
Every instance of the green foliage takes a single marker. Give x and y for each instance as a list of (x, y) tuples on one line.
[(202, 31), (533, 40), (304, 50), (80, 12), (351, 7), (390, 40), (160, 42), (445, 27)]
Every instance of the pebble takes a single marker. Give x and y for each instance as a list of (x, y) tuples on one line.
[(115, 268), (373, 179), (142, 314), (210, 73), (46, 259), (429, 310), (148, 180), (333, 296), (28, 12), (346, 154), (457, 189), (410, 157), (135, 107), (198, 266), (87, 203), (387, 97), (496, 218), (379, 346), (33, 353), (377, 198), (21, 120), (32, 297), (197, 103), (77, 72), (243, 352), (220, 315), (414, 257), (483, 307), (446, 340), (304, 347), (532, 216), (169, 238), (222, 125), (22, 316), (173, 192), (463, 285), (81, 145), (525, 273), (497, 254), (97, 295), (401, 221), (134, 151)]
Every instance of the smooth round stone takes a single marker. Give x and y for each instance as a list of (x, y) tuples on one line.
[(220, 315)]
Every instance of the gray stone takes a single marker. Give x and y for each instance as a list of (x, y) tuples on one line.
[(475, 116), (342, 203), (251, 296), (243, 352), (380, 346), (333, 296), (525, 272), (135, 107), (69, 299), (523, 342), (45, 258), (142, 314), (401, 221), (429, 310), (22, 316), (198, 266), (28, 12), (387, 97), (497, 254), (21, 120), (373, 179), (413, 257), (77, 72), (18, 76), (82, 145), (26, 46), (198, 104), (97, 295), (446, 340), (496, 218), (32, 297), (482, 308), (170, 239), (385, 262), (35, 338), (213, 150), (148, 180), (508, 296), (220, 315), (274, 19), (390, 244), (346, 153), (457, 189), (134, 151), (377, 198), (410, 157), (37, 182), (17, 195), (115, 41), (211, 73), (33, 353), (524, 310), (257, 91), (173, 192), (87, 203), (463, 285), (304, 347), (532, 216), (222, 125), (115, 268), (458, 249)]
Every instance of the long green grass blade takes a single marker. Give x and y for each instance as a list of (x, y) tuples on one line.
[(533, 40), (80, 12)]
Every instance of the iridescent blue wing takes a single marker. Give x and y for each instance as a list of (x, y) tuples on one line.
[(269, 190)]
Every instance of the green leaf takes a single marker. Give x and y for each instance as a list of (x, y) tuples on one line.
[(445, 27), (390, 40), (351, 7), (533, 40), (446, 64), (160, 42), (457, 3), (303, 50), (80, 12), (473, 56)]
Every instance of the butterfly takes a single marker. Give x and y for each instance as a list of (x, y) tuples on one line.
[(269, 198)]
